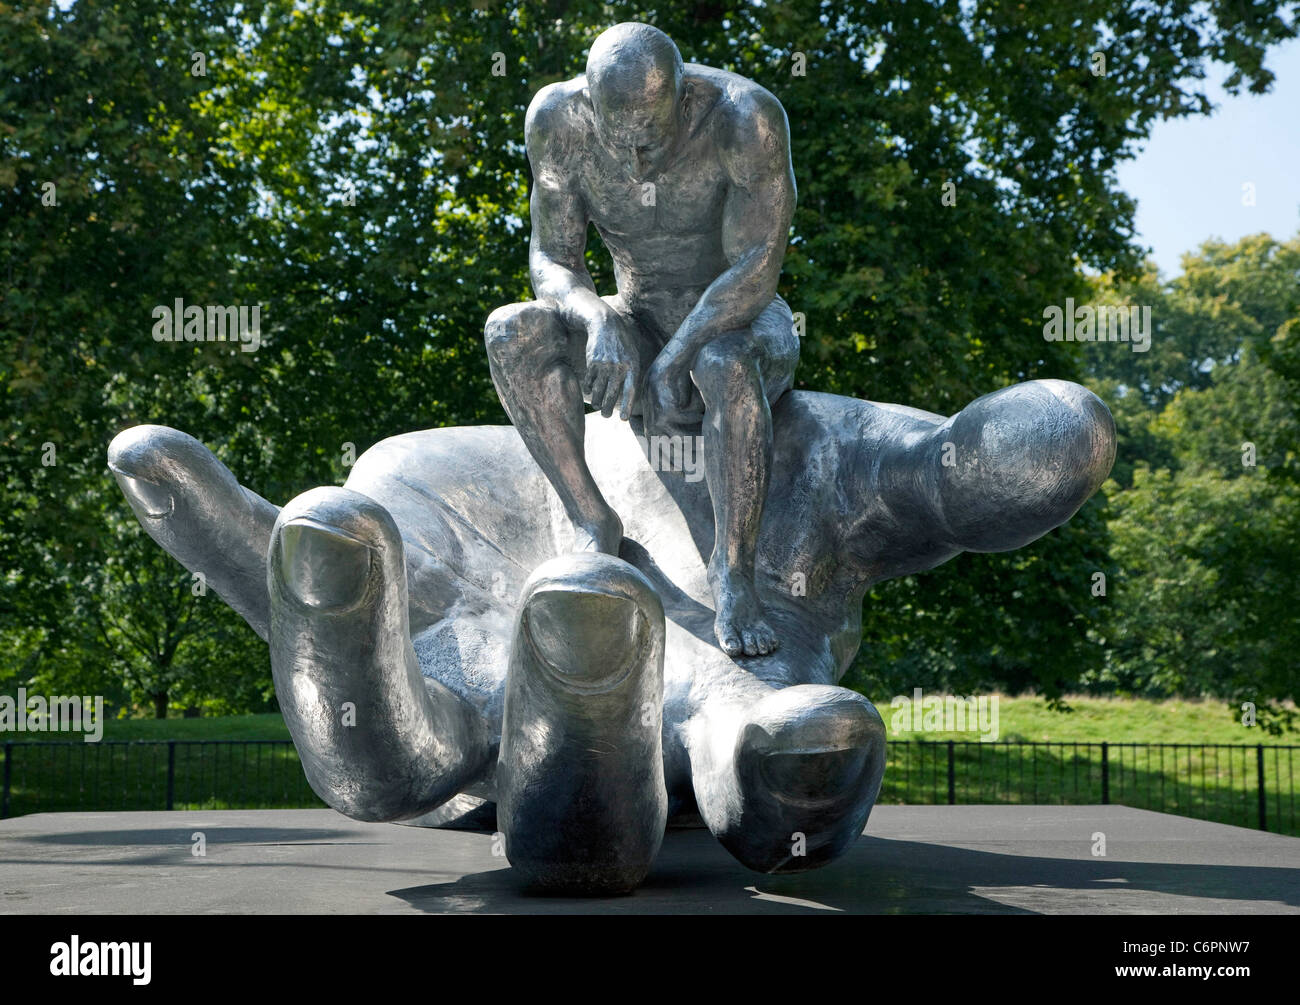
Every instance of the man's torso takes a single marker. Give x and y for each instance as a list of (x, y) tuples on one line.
[(664, 232)]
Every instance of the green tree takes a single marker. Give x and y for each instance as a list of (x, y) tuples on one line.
[(111, 205), (356, 168), (1203, 515)]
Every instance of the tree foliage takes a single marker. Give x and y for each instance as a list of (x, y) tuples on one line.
[(1204, 515), (356, 168)]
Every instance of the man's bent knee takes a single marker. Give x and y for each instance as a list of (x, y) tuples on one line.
[(725, 363), (523, 328)]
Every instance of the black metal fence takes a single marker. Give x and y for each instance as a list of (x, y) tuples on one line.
[(48, 776), (1251, 786)]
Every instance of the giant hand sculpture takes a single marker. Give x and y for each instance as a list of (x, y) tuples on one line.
[(436, 661)]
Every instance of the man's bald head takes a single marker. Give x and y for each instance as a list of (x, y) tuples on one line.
[(633, 64), (634, 77)]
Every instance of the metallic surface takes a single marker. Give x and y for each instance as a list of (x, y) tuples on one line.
[(432, 654), (452, 523), (685, 172), (581, 776)]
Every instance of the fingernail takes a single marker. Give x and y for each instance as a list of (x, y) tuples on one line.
[(589, 641), (322, 566), (154, 500)]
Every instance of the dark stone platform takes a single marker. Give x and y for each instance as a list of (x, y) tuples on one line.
[(913, 859)]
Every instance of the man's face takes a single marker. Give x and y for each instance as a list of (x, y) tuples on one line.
[(639, 130)]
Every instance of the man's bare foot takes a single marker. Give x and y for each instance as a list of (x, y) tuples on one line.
[(739, 624), (602, 534)]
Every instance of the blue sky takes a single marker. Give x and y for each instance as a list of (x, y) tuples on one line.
[(1188, 178)]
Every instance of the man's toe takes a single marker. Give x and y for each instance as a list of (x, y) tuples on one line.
[(730, 642)]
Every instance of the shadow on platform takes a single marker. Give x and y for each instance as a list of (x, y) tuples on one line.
[(963, 859)]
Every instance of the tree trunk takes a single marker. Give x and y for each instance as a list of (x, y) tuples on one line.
[(160, 705)]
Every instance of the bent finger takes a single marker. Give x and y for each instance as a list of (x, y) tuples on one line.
[(195, 509), (378, 740)]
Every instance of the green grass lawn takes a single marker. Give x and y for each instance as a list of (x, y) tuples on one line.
[(1215, 784), (227, 727), (74, 776), (1209, 782), (1114, 720)]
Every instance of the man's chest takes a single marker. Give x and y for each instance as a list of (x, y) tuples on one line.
[(685, 199)]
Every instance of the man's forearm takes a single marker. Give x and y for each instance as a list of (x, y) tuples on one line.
[(732, 301), (572, 293)]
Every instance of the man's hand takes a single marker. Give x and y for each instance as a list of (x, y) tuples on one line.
[(613, 369), (668, 389)]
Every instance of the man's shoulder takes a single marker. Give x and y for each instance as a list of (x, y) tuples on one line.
[(741, 110), (559, 108)]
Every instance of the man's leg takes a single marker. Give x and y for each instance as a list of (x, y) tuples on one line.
[(737, 434), (531, 356)]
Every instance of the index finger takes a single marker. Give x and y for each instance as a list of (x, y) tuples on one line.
[(599, 388), (629, 397)]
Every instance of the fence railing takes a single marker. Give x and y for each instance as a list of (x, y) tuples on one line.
[(1251, 786), (49, 776)]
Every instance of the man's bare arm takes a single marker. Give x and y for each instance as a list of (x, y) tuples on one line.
[(556, 257), (755, 225), (559, 239)]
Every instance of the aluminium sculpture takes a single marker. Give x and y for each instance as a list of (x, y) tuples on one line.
[(541, 630)]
